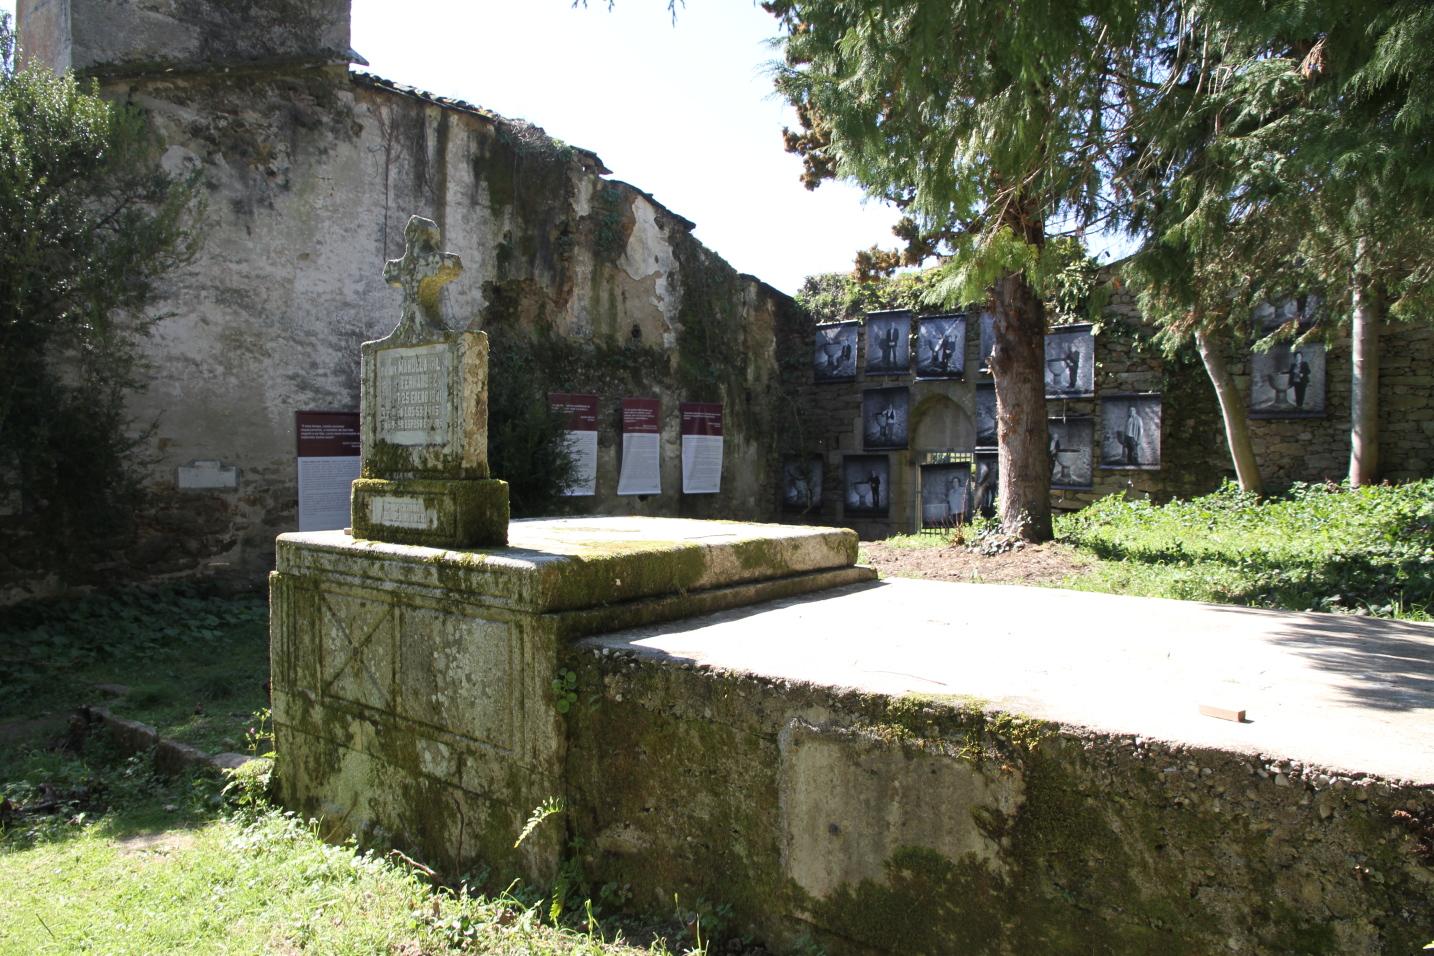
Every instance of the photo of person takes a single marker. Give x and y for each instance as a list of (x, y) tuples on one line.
[(987, 323), (1072, 443), (1130, 431), (835, 356), (1287, 381), (888, 342), (866, 482), (985, 485), (802, 484), (985, 416), (1070, 362), (884, 417), (941, 346), (943, 494)]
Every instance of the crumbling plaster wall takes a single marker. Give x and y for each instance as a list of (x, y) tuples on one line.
[(310, 173)]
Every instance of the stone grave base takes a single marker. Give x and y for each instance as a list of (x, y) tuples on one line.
[(418, 695), (439, 513)]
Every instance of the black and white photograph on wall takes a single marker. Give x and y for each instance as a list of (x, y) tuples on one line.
[(941, 346), (1295, 314), (884, 417), (866, 482), (802, 483), (985, 416), (984, 485), (1070, 362), (1287, 381), (835, 357), (943, 494), (987, 324), (888, 342), (1130, 431), (1072, 452)]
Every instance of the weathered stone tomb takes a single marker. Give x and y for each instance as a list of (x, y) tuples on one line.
[(883, 767)]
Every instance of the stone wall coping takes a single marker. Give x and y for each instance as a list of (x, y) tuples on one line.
[(568, 564)]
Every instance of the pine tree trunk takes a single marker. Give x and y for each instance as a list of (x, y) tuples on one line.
[(1364, 370), (1232, 410), (1018, 365)]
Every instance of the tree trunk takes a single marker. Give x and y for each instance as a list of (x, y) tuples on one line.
[(1018, 365), (1232, 410), (1364, 369)]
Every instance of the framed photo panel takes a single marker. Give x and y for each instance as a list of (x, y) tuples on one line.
[(941, 346), (1072, 452), (1070, 362), (984, 482), (888, 342), (835, 357), (1130, 432), (802, 484), (944, 491), (987, 323), (985, 416), (1287, 381), (885, 414), (866, 485)]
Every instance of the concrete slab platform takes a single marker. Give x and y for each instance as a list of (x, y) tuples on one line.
[(1349, 694)]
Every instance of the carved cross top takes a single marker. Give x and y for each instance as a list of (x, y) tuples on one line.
[(421, 273)]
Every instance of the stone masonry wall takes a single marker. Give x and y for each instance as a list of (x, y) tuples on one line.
[(311, 173), (1194, 456)]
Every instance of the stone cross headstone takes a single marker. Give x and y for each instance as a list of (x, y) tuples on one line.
[(423, 417)]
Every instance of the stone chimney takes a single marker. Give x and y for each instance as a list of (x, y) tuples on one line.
[(129, 37)]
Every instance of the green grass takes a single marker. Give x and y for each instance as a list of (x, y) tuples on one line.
[(118, 861), (196, 664), (1318, 547)]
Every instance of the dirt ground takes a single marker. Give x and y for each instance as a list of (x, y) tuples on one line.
[(1032, 564)]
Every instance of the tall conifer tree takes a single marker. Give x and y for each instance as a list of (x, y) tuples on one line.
[(994, 127)]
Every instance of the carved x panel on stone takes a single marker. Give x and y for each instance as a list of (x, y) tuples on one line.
[(358, 649)]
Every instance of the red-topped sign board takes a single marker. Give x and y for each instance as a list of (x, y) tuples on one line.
[(701, 447), (328, 462), (641, 470), (581, 415)]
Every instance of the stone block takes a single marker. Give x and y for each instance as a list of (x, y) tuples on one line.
[(436, 512)]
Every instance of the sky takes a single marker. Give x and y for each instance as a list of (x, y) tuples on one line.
[(681, 109)]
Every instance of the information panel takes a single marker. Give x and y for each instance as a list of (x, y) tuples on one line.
[(328, 453), (581, 413), (701, 448), (641, 470)]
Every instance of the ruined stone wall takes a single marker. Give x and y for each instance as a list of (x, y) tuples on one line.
[(310, 173), (1194, 456)]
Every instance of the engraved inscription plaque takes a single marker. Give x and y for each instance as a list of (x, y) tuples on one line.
[(414, 395), (402, 513)]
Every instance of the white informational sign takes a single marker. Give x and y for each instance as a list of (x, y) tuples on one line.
[(328, 464), (581, 414), (324, 491), (641, 469), (701, 448)]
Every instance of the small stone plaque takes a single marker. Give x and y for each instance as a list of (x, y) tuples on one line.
[(395, 512), (415, 395)]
